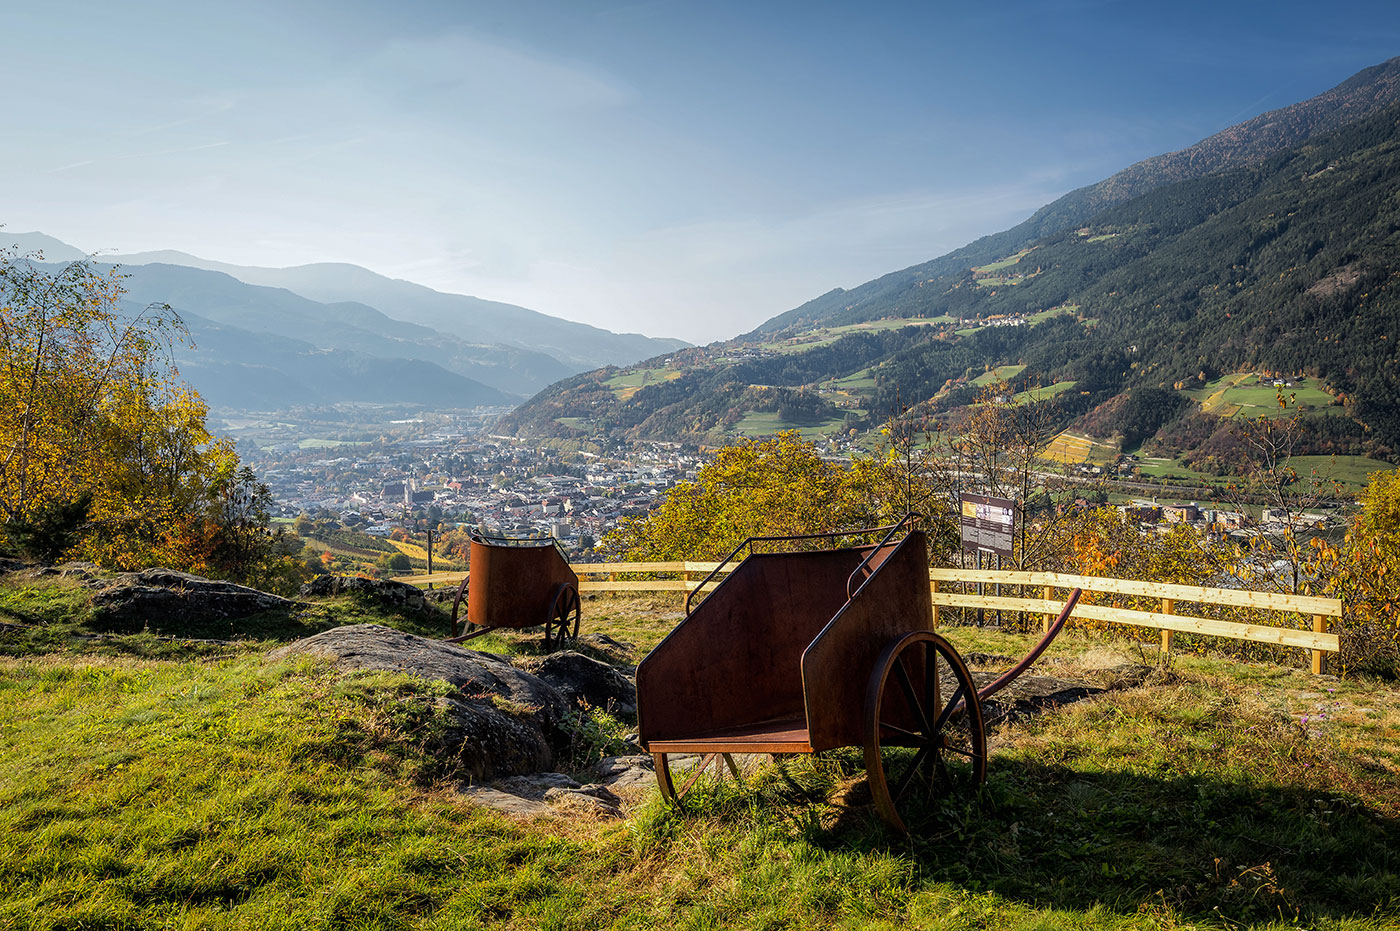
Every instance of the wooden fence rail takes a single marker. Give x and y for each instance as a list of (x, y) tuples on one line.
[(948, 587)]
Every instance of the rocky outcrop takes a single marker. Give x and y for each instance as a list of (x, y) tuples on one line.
[(504, 721), (585, 681), (398, 596), (162, 599)]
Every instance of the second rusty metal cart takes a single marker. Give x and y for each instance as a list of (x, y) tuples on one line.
[(805, 651), (518, 583)]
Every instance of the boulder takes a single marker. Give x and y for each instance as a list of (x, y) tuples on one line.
[(504, 721), (163, 598), (586, 681), (399, 596)]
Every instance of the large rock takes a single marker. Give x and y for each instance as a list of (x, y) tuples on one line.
[(164, 599), (583, 680), (505, 721), (396, 595)]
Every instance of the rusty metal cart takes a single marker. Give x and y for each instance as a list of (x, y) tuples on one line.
[(518, 583), (804, 651)]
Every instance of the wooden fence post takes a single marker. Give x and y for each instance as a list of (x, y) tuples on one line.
[(933, 589), (1046, 620), (1168, 607), (1319, 657)]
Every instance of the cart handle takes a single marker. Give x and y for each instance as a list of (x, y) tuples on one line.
[(1010, 675), (911, 517), (829, 534)]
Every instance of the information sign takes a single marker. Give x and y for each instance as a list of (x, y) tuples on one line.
[(987, 524)]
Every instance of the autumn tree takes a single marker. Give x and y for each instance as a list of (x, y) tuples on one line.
[(762, 487), (104, 451)]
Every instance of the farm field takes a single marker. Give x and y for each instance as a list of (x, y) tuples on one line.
[(1353, 472), (765, 423), (1000, 373), (1075, 448), (825, 336), (1243, 394), (1003, 263), (148, 783), (627, 384), (1041, 394)]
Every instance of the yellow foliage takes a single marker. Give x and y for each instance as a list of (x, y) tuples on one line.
[(103, 450)]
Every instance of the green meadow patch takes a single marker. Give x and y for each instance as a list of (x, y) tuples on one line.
[(236, 792)]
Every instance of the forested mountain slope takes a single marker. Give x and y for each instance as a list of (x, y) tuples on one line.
[(1243, 144), (1288, 265)]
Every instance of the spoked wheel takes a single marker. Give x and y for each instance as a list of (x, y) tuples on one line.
[(924, 733), (564, 615), (457, 606), (669, 790)]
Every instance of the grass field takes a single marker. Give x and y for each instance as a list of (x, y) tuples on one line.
[(1243, 393), (1002, 263), (1043, 393), (1000, 373), (825, 336), (1353, 472), (313, 443), (160, 784), (627, 384), (1053, 312), (766, 423)]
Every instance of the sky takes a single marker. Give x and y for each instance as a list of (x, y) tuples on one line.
[(684, 169)]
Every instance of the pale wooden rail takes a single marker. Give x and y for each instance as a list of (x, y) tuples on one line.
[(1317, 641), (603, 577)]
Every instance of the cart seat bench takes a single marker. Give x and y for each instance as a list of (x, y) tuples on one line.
[(781, 735)]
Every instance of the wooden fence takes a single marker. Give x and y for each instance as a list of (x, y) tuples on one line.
[(950, 589)]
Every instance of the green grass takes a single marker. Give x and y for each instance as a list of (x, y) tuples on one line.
[(320, 443), (1043, 393), (1053, 312), (1243, 393), (825, 336), (1003, 263), (766, 423), (1354, 472), (1000, 373), (235, 792)]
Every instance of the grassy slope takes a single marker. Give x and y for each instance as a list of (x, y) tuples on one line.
[(217, 789)]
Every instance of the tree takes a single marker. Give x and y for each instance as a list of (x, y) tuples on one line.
[(768, 487), (103, 449)]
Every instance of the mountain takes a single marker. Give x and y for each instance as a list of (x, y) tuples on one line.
[(1241, 145), (471, 319), (1156, 293), (250, 370), (341, 309)]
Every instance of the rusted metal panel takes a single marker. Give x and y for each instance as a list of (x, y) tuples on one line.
[(736, 660), (892, 601), (513, 585)]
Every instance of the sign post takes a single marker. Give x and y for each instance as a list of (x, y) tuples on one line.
[(988, 526)]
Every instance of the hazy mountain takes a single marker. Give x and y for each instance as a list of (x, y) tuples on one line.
[(578, 345), (237, 368), (343, 308)]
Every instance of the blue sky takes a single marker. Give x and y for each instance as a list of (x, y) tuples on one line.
[(673, 168)]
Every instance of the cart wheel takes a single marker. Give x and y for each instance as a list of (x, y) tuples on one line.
[(562, 612), (923, 724), (457, 604), (667, 784)]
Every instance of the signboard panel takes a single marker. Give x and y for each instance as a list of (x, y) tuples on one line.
[(987, 524)]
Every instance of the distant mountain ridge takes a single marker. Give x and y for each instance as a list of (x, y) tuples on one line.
[(471, 319), (268, 337)]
